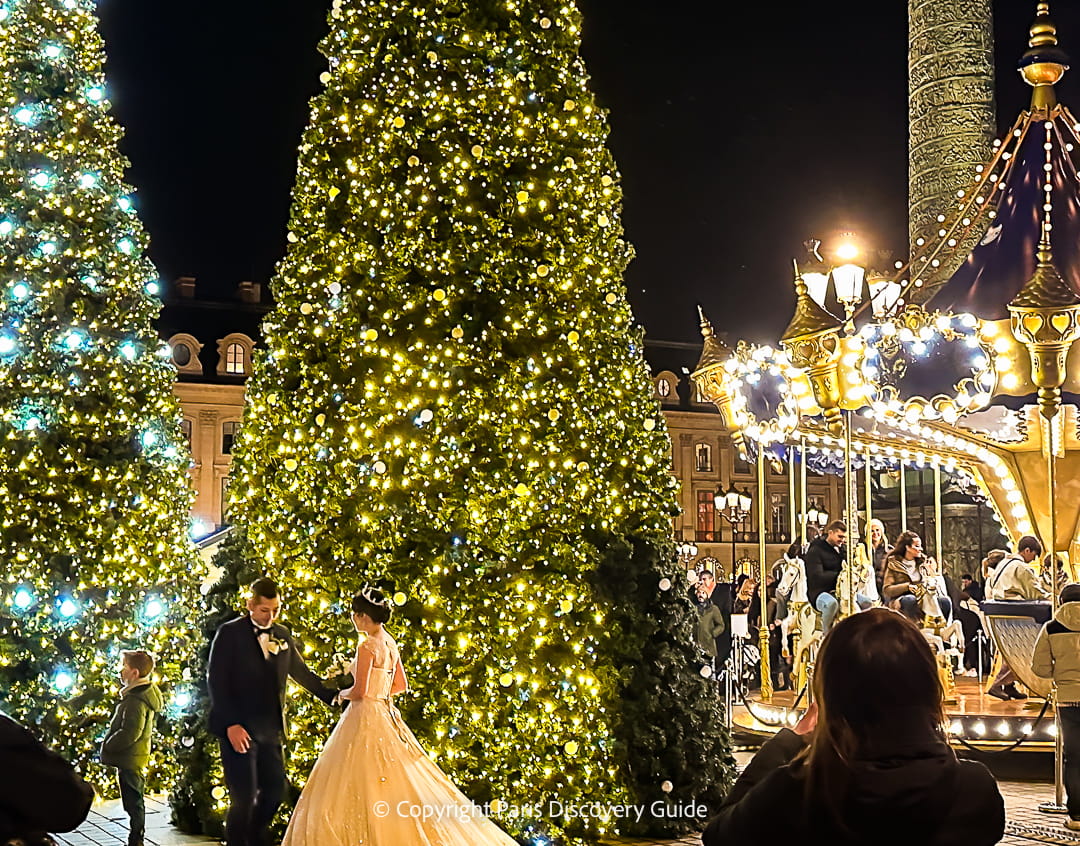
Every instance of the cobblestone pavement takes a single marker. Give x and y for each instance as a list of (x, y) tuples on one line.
[(107, 825)]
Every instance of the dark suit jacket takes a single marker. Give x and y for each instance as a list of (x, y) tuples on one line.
[(249, 690), (823, 565)]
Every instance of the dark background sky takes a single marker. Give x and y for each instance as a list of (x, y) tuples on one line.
[(740, 130)]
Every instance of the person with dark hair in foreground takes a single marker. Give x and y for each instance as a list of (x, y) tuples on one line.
[(251, 659), (868, 762), (39, 790), (373, 781)]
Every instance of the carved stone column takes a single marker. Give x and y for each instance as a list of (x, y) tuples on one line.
[(950, 108)]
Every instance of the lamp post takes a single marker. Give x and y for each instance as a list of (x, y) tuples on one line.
[(734, 506), (687, 552), (848, 281)]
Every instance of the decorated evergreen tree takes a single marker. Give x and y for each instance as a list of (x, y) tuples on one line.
[(93, 471), (454, 406)]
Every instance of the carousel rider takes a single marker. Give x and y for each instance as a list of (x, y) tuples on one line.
[(880, 546), (1014, 577), (910, 580), (824, 560)]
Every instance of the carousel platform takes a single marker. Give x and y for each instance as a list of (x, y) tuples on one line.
[(975, 719)]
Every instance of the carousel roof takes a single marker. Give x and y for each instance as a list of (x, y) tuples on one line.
[(969, 375)]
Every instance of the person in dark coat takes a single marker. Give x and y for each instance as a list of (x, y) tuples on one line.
[(870, 749), (251, 659), (39, 790), (720, 596), (824, 559), (127, 742)]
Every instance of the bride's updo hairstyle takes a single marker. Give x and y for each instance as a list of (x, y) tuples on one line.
[(371, 602)]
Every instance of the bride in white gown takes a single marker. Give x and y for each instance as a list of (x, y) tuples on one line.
[(373, 784)]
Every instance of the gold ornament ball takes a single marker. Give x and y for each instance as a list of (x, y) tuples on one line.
[(333, 192), (545, 23), (553, 415), (320, 420), (566, 606), (413, 161), (521, 490), (399, 122), (439, 295), (543, 270), (610, 299), (305, 308), (573, 337), (571, 747), (290, 464), (457, 332), (650, 424), (522, 196), (325, 77), (399, 598), (218, 792), (506, 679), (477, 150)]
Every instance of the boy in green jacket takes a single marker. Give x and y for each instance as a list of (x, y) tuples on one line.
[(127, 743)]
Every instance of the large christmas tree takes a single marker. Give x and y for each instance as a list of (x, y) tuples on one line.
[(93, 483), (454, 405)]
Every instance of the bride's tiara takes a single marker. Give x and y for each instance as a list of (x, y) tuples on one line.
[(368, 593)]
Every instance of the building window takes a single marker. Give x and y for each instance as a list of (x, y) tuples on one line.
[(779, 526), (224, 500), (703, 458), (185, 429), (234, 355), (236, 360), (706, 516), (181, 354), (739, 465), (185, 354), (228, 436), (663, 388)]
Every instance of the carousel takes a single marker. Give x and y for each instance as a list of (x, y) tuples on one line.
[(973, 377)]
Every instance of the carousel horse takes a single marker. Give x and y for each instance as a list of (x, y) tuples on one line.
[(802, 623), (857, 575)]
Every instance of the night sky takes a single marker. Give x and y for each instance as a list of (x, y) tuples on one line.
[(740, 130)]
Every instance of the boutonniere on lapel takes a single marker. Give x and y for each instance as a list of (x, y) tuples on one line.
[(276, 645)]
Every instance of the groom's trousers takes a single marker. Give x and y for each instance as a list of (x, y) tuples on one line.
[(256, 781)]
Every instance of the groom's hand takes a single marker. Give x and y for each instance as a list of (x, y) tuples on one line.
[(239, 738)]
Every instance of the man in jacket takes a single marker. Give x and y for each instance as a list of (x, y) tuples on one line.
[(710, 623), (39, 790), (824, 560), (1014, 577), (1057, 657), (251, 659)]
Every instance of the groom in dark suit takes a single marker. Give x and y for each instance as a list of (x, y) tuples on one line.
[(250, 660)]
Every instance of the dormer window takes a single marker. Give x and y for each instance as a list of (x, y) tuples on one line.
[(234, 355), (185, 353)]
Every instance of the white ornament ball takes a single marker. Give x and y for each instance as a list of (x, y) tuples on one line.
[(665, 583), (667, 786), (706, 671)]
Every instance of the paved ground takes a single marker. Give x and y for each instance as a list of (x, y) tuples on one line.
[(107, 825)]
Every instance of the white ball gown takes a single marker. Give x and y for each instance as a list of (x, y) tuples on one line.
[(373, 784)]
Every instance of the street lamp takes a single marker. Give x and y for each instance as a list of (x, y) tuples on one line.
[(848, 281), (884, 294), (687, 551), (817, 517), (734, 506)]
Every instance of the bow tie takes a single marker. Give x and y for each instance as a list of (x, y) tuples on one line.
[(260, 632)]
